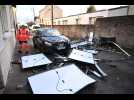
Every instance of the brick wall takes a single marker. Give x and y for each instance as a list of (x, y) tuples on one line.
[(74, 31), (120, 27)]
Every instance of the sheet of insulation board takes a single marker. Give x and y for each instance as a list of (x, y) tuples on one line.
[(68, 79), (82, 56), (34, 60)]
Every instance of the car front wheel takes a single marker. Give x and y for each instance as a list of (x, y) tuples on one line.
[(34, 42)]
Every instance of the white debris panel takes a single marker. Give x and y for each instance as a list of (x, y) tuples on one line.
[(68, 79), (34, 60), (91, 51), (79, 44), (82, 56)]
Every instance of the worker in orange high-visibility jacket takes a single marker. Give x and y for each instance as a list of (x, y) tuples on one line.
[(22, 37)]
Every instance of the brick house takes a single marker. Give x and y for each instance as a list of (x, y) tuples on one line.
[(45, 15)]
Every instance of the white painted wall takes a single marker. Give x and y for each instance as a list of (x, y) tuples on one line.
[(131, 10), (83, 18), (7, 45), (118, 12)]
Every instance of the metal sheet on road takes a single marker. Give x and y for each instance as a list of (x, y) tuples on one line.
[(34, 60), (82, 56), (66, 80)]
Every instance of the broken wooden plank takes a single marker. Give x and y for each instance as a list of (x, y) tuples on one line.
[(99, 69), (121, 49)]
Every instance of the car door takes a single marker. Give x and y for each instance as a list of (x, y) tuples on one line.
[(36, 39), (39, 39)]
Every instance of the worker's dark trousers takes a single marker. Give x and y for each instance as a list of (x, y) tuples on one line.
[(23, 46)]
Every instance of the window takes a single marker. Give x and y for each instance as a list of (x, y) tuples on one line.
[(64, 22), (42, 20), (58, 22), (93, 20), (77, 21), (90, 20), (54, 23)]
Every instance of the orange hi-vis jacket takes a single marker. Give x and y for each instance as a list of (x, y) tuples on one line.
[(22, 35)]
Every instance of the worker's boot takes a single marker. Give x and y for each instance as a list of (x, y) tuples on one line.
[(19, 51)]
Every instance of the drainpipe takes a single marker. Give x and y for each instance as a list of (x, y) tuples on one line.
[(52, 16), (34, 14), (128, 10)]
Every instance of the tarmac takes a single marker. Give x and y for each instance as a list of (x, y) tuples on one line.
[(118, 67)]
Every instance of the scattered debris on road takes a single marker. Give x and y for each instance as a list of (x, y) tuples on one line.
[(20, 86), (66, 63)]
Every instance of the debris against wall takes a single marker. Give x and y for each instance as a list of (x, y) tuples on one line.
[(122, 28)]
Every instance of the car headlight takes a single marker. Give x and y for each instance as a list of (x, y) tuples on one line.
[(47, 43)]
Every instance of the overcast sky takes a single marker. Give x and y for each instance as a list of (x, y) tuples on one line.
[(25, 12)]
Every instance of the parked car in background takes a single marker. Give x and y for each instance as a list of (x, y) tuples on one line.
[(51, 40), (34, 28)]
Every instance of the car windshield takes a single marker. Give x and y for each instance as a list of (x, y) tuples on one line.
[(50, 32), (36, 27), (54, 32)]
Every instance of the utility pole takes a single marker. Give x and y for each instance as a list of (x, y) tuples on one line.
[(34, 14), (52, 16)]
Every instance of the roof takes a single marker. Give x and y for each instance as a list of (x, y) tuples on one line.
[(79, 14), (48, 6), (43, 9), (94, 12), (118, 7)]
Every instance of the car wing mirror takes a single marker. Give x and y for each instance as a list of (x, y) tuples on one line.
[(37, 36)]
